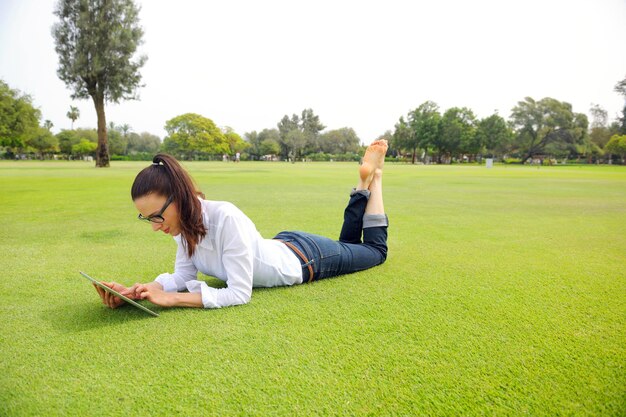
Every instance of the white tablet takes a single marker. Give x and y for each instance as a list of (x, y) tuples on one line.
[(117, 294)]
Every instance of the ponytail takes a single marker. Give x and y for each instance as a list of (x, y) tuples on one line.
[(167, 177)]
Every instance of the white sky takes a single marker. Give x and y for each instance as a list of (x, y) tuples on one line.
[(361, 64)]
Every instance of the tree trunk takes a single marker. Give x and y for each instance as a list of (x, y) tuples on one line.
[(413, 158), (529, 155), (102, 151)]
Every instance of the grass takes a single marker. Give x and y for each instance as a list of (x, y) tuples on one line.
[(504, 294)]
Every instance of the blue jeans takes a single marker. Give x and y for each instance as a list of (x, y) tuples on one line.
[(322, 257)]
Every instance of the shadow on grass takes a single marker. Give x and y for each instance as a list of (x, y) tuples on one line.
[(79, 317)]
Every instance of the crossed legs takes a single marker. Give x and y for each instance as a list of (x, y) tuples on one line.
[(366, 208), (371, 176)]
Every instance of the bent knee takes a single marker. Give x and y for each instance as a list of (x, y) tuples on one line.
[(382, 250)]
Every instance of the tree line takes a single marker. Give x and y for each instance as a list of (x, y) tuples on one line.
[(546, 128)]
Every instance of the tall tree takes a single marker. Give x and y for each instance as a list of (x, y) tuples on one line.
[(96, 41), (545, 122), (73, 115)]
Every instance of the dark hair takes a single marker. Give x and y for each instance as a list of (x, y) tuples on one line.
[(167, 177)]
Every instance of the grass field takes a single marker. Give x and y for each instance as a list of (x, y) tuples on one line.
[(504, 294)]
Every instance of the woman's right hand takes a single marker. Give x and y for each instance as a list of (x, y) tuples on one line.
[(111, 300)]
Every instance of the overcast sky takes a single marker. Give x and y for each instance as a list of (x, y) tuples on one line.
[(360, 64)]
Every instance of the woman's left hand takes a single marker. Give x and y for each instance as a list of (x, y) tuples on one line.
[(155, 295)]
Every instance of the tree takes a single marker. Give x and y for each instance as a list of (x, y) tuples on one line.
[(43, 142), (425, 124), (457, 133), (118, 143), (295, 141), (143, 143), (96, 41), (617, 146), (311, 127), (620, 87), (73, 115), (269, 147), (403, 137), (339, 141), (67, 139), (47, 124), (19, 119), (388, 136), (84, 148), (191, 135), (235, 142), (285, 127), (599, 133), (266, 142), (90, 134), (308, 125), (494, 133), (545, 122), (579, 136), (253, 140)]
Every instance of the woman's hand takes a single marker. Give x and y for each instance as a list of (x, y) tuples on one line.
[(154, 293), (111, 300)]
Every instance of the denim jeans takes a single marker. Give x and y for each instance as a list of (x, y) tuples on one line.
[(330, 258)]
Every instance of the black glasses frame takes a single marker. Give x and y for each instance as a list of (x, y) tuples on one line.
[(157, 218)]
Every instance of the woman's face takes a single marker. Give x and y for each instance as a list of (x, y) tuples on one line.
[(152, 204)]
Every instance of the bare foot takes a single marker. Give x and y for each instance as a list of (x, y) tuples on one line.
[(373, 160)]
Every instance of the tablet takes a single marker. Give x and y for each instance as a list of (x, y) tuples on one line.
[(117, 294)]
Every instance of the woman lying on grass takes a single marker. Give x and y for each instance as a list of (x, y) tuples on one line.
[(218, 239)]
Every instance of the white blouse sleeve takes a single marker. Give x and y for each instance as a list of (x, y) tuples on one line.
[(184, 270), (237, 259)]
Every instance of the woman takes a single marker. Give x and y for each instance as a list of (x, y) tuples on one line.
[(217, 239)]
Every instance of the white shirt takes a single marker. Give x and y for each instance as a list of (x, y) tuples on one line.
[(234, 252)]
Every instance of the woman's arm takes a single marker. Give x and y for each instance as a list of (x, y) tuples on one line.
[(154, 293), (187, 299)]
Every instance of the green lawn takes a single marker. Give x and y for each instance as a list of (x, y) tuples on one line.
[(504, 294)]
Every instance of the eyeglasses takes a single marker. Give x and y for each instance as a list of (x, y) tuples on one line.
[(156, 218)]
